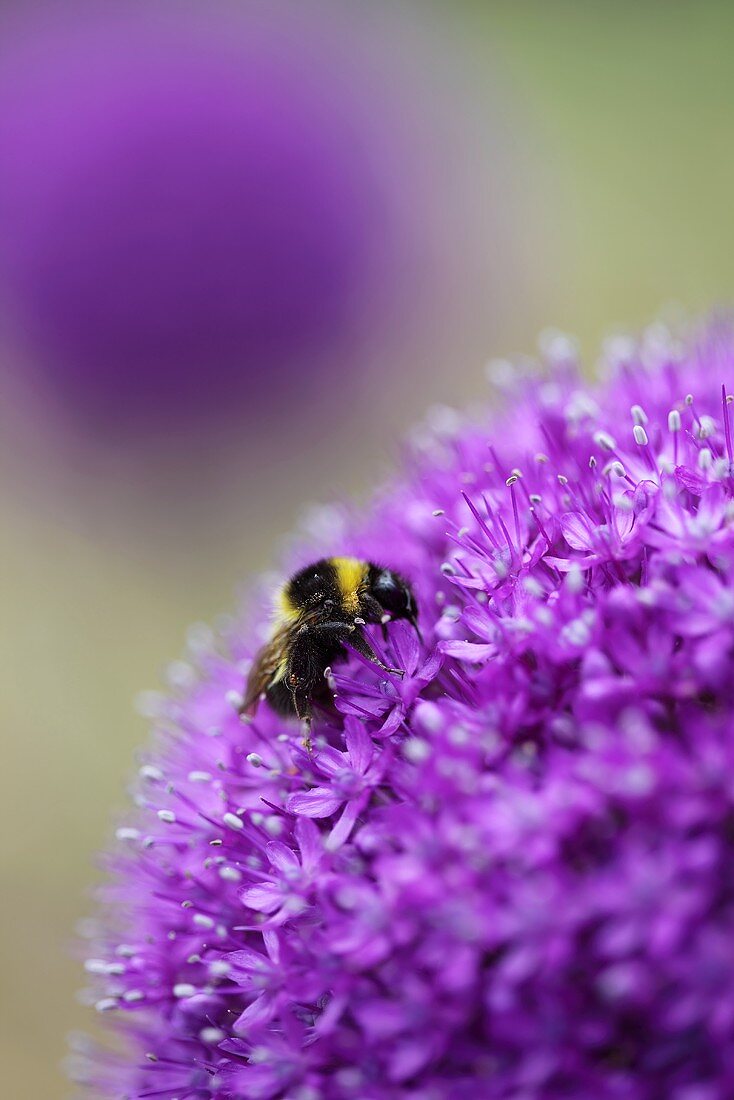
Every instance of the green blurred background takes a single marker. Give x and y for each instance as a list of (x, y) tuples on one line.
[(616, 123)]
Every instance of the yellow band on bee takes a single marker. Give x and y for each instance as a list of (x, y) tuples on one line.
[(350, 575), (285, 610)]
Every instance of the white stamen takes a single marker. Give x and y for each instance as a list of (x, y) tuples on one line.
[(705, 458), (179, 674), (640, 435), (184, 989), (107, 1004), (96, 966), (201, 920), (132, 995), (255, 759), (638, 414), (416, 749), (127, 834), (150, 772), (233, 821), (230, 874), (674, 422), (167, 815), (235, 699), (212, 1035), (200, 777), (605, 440)]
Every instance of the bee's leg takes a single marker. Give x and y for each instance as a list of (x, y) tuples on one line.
[(358, 642), (414, 623), (374, 612), (301, 678), (302, 707), (339, 630)]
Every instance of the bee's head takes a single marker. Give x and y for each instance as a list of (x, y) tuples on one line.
[(309, 588), (394, 595)]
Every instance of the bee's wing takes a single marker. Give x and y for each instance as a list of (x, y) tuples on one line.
[(268, 667)]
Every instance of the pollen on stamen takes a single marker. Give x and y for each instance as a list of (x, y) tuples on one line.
[(132, 996), (151, 773), (640, 435), (200, 777), (605, 441), (201, 920), (182, 990)]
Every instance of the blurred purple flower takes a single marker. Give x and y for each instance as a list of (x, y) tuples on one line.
[(195, 212), (523, 888)]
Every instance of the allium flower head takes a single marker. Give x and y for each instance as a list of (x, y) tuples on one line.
[(196, 209), (509, 874)]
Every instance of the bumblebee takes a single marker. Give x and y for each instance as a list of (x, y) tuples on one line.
[(320, 610)]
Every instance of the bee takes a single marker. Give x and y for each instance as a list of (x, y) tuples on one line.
[(319, 611)]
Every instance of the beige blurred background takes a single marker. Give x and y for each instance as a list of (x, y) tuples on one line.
[(576, 170)]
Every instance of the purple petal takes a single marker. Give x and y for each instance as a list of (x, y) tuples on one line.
[(266, 898), (310, 843), (318, 802), (359, 746)]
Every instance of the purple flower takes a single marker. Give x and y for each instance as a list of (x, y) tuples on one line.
[(195, 213), (510, 874)]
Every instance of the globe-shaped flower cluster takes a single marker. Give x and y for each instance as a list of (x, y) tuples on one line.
[(511, 873)]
